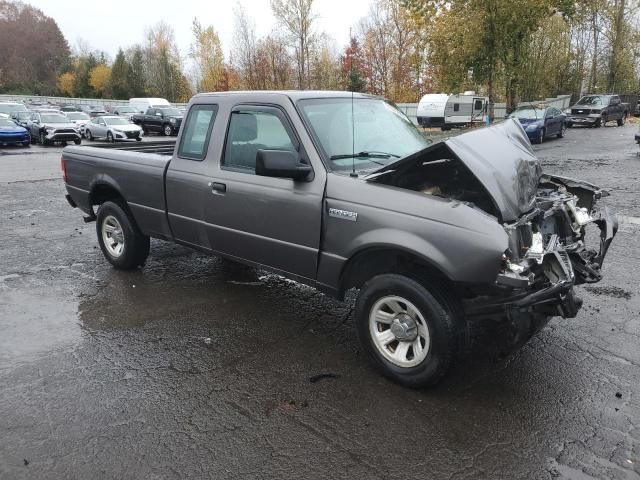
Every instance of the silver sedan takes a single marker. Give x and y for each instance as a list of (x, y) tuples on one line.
[(113, 128)]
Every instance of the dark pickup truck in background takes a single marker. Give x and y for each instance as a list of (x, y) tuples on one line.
[(164, 120), (597, 110), (434, 236)]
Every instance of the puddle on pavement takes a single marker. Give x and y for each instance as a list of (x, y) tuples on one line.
[(35, 324)]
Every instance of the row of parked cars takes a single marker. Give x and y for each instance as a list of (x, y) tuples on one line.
[(47, 124), (541, 121)]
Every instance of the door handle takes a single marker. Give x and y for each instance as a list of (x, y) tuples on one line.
[(217, 187)]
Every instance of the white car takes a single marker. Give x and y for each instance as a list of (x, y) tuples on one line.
[(79, 118), (113, 128)]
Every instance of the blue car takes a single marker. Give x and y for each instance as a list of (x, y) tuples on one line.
[(12, 133), (541, 122)]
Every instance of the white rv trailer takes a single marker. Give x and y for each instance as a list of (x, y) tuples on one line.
[(451, 111)]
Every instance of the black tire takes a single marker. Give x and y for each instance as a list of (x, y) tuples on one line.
[(87, 133), (77, 141), (600, 122), (41, 139), (563, 129), (110, 138), (63, 143), (167, 130), (540, 138), (26, 144), (138, 139), (621, 121), (135, 245), (569, 125), (145, 130), (442, 324)]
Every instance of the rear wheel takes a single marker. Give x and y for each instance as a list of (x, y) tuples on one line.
[(407, 332), (120, 239)]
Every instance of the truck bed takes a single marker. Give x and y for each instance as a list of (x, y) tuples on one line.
[(136, 171)]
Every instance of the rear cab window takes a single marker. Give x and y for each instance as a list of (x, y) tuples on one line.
[(197, 132)]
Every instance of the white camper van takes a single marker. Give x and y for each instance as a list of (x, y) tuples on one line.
[(451, 111), (141, 104)]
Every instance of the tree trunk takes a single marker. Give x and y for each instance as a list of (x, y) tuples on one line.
[(617, 46)]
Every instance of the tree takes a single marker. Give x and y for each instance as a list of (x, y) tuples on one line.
[(67, 84), (206, 53), (245, 50), (100, 79), (163, 69), (297, 18), (120, 87), (33, 49), (136, 76), (352, 67)]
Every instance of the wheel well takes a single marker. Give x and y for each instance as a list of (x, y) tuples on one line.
[(102, 193), (375, 261)]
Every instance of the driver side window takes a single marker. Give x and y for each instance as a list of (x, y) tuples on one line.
[(250, 131)]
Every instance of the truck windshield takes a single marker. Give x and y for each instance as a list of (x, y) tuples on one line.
[(170, 112), (116, 121), (591, 100), (381, 133)]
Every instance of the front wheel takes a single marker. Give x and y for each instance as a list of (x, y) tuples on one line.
[(120, 239), (88, 135), (42, 138), (77, 141), (621, 121), (167, 130), (540, 138), (563, 130), (110, 137), (406, 330)]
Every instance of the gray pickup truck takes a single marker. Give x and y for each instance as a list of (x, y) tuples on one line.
[(339, 192), (597, 110)]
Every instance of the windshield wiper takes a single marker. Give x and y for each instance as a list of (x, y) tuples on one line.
[(364, 155)]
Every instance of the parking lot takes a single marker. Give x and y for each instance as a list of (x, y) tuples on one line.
[(194, 368)]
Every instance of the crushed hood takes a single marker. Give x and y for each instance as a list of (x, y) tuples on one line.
[(500, 157)]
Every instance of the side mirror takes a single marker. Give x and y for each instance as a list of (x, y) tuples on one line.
[(281, 163)]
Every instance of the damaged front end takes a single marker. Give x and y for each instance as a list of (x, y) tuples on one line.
[(547, 252), (548, 219)]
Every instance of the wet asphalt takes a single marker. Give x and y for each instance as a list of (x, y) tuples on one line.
[(194, 368)]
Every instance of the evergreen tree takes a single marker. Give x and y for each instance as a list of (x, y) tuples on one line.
[(120, 77)]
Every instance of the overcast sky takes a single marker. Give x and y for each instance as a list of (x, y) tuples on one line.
[(107, 25)]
